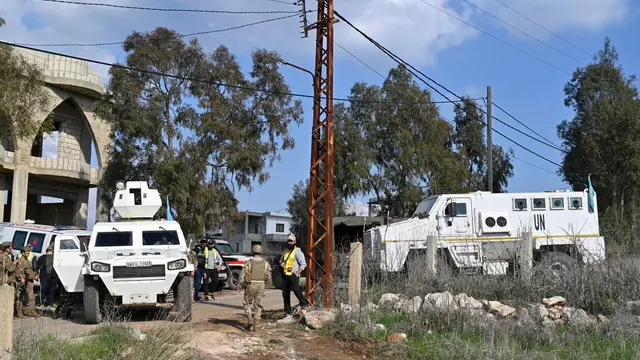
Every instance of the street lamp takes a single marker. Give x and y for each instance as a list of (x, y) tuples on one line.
[(284, 62)]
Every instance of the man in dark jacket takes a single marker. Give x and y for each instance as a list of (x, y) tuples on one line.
[(48, 278), (200, 269)]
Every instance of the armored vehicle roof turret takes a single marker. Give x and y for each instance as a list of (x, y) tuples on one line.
[(134, 200)]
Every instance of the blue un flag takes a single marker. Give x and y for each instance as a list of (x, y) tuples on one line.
[(591, 194), (169, 216)]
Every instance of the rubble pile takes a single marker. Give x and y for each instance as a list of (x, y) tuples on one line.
[(550, 312)]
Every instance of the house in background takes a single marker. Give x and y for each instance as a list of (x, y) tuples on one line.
[(269, 229)]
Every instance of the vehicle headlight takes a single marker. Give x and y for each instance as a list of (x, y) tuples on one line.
[(177, 264), (100, 267)]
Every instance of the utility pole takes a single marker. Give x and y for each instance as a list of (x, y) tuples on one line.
[(320, 234), (489, 141)]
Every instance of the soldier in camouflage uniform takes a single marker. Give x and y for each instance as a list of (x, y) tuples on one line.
[(26, 276), (7, 266), (255, 273), (12, 271)]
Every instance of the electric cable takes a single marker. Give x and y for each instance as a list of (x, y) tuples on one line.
[(523, 124), (151, 72), (129, 7), (404, 63), (497, 38), (524, 33), (544, 28), (181, 35)]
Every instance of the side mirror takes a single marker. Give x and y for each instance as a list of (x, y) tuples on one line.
[(450, 210)]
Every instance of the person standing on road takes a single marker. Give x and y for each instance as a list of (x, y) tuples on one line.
[(48, 279), (26, 277), (200, 269), (214, 264), (255, 273), (7, 266), (12, 273), (293, 264)]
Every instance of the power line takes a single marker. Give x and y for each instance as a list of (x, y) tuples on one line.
[(404, 63), (524, 33), (497, 38), (535, 166), (359, 60), (151, 72), (165, 9), (544, 28), (285, 2), (389, 53), (523, 124), (181, 35)]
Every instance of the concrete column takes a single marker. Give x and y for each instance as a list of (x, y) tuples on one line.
[(2, 196), (6, 321), (526, 257), (19, 194), (432, 250), (81, 209), (102, 213)]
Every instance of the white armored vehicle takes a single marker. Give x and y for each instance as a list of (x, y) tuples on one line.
[(132, 262), (480, 232)]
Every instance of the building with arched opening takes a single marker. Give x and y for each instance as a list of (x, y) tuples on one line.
[(47, 177)]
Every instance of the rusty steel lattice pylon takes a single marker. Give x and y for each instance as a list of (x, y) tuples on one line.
[(320, 225)]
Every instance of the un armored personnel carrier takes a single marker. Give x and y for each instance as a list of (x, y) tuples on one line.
[(132, 262), (479, 232)]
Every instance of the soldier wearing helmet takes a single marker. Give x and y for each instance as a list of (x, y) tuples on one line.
[(255, 273)]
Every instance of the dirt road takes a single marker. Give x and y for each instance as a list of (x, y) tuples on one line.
[(227, 307), (217, 331)]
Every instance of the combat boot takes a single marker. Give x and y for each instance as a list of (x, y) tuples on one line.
[(256, 323)]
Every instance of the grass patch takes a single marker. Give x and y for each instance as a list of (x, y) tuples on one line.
[(108, 341), (439, 335)]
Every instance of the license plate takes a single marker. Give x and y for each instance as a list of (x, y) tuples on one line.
[(139, 264)]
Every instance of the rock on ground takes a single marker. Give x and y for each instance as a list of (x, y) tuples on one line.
[(440, 301), (538, 312), (409, 305), (316, 319), (397, 337), (389, 300), (467, 302), (580, 317), (501, 310), (554, 301)]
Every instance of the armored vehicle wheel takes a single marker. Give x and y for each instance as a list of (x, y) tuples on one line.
[(234, 278), (183, 298), (91, 301), (556, 265)]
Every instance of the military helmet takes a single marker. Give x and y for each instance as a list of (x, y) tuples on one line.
[(256, 249), (5, 245)]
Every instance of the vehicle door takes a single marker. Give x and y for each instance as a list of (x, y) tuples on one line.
[(68, 261), (458, 218)]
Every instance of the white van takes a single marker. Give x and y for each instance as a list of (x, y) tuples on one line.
[(40, 237)]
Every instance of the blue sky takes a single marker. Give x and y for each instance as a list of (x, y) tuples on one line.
[(453, 53)]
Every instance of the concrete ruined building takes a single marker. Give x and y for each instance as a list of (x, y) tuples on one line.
[(28, 172)]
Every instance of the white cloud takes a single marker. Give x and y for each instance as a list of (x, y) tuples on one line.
[(410, 28), (557, 15)]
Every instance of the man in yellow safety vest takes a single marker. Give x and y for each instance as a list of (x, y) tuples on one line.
[(213, 264), (293, 264)]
